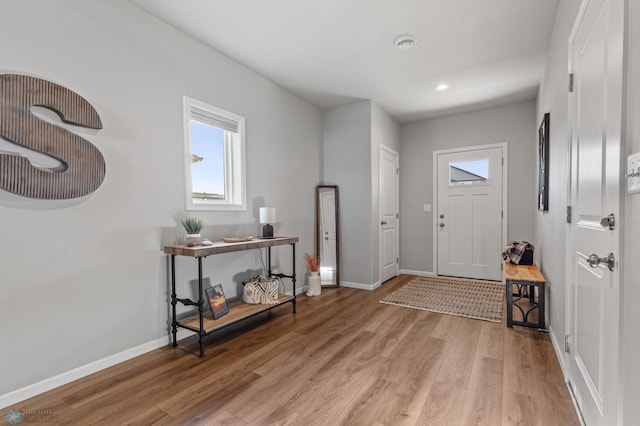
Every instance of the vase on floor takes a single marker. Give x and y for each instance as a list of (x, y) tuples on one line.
[(314, 284)]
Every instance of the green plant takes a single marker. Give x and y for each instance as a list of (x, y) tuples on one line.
[(193, 225)]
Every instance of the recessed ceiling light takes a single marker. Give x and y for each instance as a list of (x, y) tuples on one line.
[(442, 87), (405, 41)]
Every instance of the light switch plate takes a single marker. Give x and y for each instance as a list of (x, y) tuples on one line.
[(427, 207), (633, 173)]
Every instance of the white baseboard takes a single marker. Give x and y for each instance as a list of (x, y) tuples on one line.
[(560, 354), (418, 273), (375, 285), (360, 286), (559, 350), (299, 290), (45, 385)]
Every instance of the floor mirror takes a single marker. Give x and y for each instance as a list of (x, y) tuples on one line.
[(328, 234)]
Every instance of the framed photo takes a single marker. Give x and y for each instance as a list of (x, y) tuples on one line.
[(217, 301), (543, 164)]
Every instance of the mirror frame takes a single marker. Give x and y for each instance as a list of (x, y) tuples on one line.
[(318, 231)]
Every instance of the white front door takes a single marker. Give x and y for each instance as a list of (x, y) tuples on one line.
[(596, 51), (388, 214), (468, 222)]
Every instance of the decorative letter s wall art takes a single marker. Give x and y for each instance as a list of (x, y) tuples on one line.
[(83, 166)]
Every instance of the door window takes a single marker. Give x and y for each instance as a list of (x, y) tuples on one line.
[(475, 172)]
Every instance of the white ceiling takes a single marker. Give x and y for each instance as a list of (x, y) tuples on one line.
[(333, 52)]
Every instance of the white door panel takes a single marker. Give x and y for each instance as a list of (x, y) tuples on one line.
[(389, 258), (388, 214), (593, 291), (469, 212), (482, 235)]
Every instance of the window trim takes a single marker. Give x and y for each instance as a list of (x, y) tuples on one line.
[(234, 159)]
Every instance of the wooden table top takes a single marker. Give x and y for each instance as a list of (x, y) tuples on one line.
[(222, 247), (527, 273)]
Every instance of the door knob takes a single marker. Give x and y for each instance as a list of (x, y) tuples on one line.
[(609, 222), (383, 223), (441, 216), (610, 261), (441, 225)]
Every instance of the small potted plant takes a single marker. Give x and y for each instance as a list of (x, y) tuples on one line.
[(193, 226), (313, 262)]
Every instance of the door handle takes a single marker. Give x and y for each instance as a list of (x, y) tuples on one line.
[(609, 222), (441, 225), (610, 261), (383, 223)]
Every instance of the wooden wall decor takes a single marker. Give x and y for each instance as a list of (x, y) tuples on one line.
[(83, 167)]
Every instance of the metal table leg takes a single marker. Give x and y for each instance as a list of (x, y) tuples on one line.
[(293, 276), (541, 307), (509, 304), (174, 323), (201, 334)]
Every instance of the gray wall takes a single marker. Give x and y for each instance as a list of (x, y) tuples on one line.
[(347, 163), (352, 136), (85, 280), (551, 229), (514, 124), (631, 267), (384, 131)]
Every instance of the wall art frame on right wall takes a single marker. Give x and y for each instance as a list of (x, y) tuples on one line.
[(543, 164)]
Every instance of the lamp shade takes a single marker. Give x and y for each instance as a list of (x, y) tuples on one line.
[(267, 215)]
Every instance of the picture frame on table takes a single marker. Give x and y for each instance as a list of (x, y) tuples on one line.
[(543, 164), (217, 301)]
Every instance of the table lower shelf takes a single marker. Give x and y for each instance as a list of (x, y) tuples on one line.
[(237, 312)]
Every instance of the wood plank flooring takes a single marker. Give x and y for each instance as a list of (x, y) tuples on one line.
[(344, 358)]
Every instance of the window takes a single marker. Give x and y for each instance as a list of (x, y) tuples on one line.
[(214, 158), (475, 172)]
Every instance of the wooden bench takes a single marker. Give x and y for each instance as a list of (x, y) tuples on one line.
[(525, 279)]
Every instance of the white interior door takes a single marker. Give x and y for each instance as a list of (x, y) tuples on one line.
[(593, 292), (388, 214), (469, 212)]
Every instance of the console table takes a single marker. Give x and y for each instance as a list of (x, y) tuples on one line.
[(526, 278), (204, 326)]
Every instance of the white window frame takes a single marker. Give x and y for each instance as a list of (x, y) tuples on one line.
[(234, 157)]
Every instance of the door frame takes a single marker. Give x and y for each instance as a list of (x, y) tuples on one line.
[(397, 208), (505, 186)]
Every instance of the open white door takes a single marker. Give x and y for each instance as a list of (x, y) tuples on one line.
[(596, 52), (388, 214), (469, 212)]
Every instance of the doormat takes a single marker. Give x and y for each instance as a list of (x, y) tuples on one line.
[(453, 296)]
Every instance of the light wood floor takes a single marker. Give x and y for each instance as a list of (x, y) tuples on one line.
[(343, 358)]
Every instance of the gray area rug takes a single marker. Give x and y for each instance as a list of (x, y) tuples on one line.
[(454, 296)]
